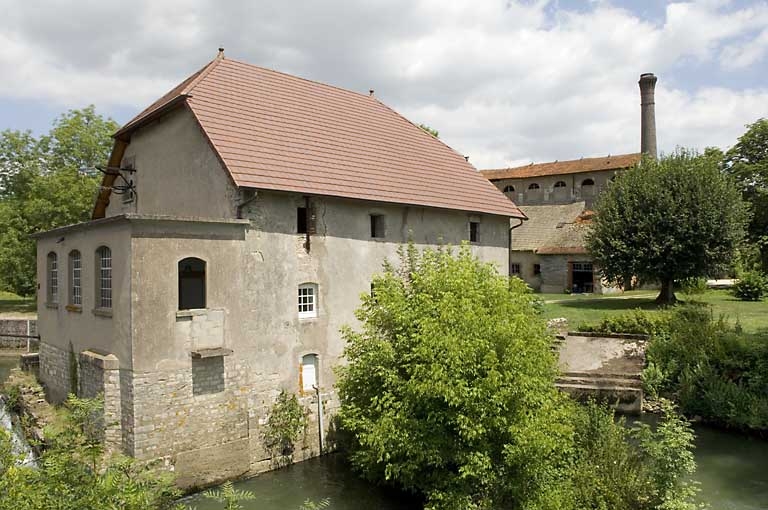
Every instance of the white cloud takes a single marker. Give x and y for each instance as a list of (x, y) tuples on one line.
[(504, 82)]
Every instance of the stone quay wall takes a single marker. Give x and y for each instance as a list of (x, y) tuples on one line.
[(27, 327)]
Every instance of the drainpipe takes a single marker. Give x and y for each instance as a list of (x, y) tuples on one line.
[(509, 249), (319, 417)]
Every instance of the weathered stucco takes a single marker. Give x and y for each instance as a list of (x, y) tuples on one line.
[(175, 404), (176, 172)]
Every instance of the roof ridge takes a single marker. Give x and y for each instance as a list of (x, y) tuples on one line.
[(563, 162), (301, 78), (202, 74)]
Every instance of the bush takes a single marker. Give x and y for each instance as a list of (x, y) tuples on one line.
[(712, 371), (284, 426), (636, 467), (639, 322), (449, 388), (752, 286), (693, 286)]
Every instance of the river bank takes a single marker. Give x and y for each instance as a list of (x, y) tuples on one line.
[(731, 470)]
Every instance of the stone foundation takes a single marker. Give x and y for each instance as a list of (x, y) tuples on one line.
[(55, 372)]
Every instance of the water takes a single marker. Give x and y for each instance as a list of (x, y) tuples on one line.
[(315, 479), (19, 444), (732, 471)]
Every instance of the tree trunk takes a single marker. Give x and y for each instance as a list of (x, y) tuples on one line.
[(667, 294)]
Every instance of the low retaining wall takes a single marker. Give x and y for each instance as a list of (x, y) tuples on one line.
[(12, 332)]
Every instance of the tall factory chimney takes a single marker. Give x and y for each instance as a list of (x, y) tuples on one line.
[(647, 115)]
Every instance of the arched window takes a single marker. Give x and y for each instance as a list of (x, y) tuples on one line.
[(104, 277), (75, 278), (560, 184), (53, 278), (191, 283), (533, 186), (509, 189), (587, 182), (309, 373), (307, 300)]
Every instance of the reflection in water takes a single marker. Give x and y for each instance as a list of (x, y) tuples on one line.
[(732, 469), (316, 479)]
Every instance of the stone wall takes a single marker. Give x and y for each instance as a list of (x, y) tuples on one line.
[(99, 376), (16, 327), (55, 372)]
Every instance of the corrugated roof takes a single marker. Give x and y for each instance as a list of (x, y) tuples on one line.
[(551, 229), (276, 131), (575, 166)]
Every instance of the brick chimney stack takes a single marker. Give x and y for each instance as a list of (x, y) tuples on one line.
[(648, 115)]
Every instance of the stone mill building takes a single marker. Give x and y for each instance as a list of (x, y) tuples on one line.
[(548, 251), (240, 218)]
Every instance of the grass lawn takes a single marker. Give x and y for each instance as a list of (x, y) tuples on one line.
[(753, 316), (11, 304)]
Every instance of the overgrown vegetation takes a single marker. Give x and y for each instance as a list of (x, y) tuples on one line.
[(710, 368), (285, 424), (74, 472), (449, 392)]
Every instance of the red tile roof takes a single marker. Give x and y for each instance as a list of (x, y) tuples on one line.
[(276, 131), (575, 166)]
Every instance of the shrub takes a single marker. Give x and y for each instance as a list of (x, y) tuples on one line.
[(618, 467), (284, 426), (693, 286), (752, 286), (639, 322)]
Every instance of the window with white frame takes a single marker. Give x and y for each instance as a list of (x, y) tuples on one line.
[(307, 300), (53, 278), (104, 277), (75, 278), (309, 372)]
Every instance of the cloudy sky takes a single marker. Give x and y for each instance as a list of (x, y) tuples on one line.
[(504, 82)]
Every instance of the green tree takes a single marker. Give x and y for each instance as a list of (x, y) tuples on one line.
[(449, 389), (666, 220), (747, 162), (42, 187)]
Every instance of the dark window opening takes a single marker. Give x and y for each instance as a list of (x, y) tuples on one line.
[(582, 277), (587, 182), (191, 284), (377, 225), (301, 220), (474, 232), (514, 269), (533, 186), (560, 184), (509, 189), (536, 269)]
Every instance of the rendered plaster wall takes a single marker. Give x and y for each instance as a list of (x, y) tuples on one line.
[(526, 260), (86, 327), (252, 277), (548, 194), (176, 172)]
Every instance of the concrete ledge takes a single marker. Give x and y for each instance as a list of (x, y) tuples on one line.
[(102, 312), (191, 313), (211, 353), (105, 362)]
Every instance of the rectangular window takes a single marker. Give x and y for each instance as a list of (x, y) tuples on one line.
[(53, 278), (536, 269), (105, 277), (377, 225), (514, 269), (307, 301), (474, 231), (76, 270), (301, 220)]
